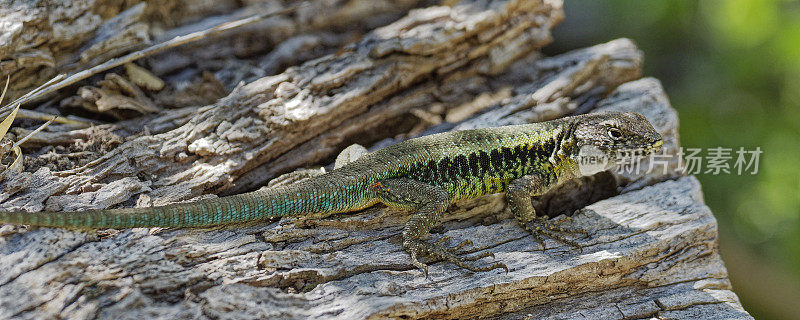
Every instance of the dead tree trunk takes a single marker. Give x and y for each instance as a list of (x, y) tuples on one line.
[(231, 116)]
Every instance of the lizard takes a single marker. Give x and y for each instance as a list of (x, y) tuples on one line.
[(422, 175)]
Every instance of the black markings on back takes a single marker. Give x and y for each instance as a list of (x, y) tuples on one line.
[(430, 171), (483, 164), (508, 158), (475, 165), (560, 138), (462, 164), (549, 147), (521, 152), (496, 159), (445, 171)]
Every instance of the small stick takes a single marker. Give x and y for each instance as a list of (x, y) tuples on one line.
[(21, 141), (31, 114)]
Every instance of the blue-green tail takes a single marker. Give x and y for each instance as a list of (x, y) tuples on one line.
[(312, 196)]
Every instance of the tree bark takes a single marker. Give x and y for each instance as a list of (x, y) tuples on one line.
[(652, 245)]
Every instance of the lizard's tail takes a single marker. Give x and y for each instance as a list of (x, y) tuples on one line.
[(303, 197)]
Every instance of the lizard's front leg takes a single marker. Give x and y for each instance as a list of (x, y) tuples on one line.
[(519, 200), (430, 203)]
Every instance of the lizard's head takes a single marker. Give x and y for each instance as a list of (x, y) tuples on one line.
[(615, 136)]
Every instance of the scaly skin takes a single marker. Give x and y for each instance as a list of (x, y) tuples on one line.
[(424, 175)]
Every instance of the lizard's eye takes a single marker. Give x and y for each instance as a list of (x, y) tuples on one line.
[(614, 133)]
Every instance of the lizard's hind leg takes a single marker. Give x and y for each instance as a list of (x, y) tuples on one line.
[(430, 203)]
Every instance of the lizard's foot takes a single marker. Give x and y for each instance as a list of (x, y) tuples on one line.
[(541, 227), (435, 250), (460, 246)]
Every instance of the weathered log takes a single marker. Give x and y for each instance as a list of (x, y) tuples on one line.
[(652, 244), (268, 117), (39, 42)]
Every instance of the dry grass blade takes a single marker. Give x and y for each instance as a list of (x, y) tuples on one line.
[(21, 141), (10, 119), (77, 123), (7, 122), (4, 126), (15, 166), (3, 95), (25, 97)]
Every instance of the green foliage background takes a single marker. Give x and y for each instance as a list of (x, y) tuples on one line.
[(732, 70)]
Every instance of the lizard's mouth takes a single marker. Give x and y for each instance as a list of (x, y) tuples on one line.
[(636, 148), (636, 151)]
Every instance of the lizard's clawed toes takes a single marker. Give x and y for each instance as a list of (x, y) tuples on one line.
[(480, 256), (541, 227), (435, 250)]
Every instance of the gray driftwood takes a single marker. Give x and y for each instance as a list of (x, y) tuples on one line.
[(651, 253)]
